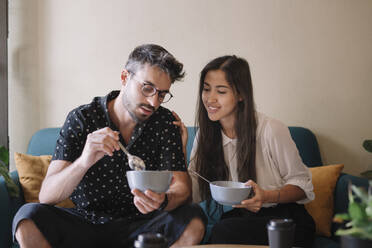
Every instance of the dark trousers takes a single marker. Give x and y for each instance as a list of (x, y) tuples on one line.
[(241, 226), (66, 228)]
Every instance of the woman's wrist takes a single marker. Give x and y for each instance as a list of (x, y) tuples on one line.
[(272, 196)]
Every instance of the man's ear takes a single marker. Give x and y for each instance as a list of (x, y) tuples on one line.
[(124, 76)]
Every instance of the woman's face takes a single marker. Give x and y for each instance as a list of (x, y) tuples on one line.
[(219, 98)]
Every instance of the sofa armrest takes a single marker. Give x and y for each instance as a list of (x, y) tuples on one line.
[(8, 207)]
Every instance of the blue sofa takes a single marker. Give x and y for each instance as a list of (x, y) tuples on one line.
[(43, 142)]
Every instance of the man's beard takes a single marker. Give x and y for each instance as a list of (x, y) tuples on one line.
[(137, 118)]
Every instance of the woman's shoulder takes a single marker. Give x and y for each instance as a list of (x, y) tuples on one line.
[(269, 127)]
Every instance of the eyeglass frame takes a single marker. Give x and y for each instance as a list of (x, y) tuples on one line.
[(155, 90)]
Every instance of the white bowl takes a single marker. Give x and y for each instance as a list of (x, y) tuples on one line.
[(157, 181), (229, 193)]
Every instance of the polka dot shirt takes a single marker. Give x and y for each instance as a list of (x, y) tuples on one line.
[(103, 194)]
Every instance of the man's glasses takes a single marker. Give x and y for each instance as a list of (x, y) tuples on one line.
[(150, 90)]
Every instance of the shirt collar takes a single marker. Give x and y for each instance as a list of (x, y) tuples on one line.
[(137, 129), (104, 101), (226, 140)]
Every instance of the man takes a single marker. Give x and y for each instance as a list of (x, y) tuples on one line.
[(89, 167)]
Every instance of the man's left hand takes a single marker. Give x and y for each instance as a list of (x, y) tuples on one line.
[(148, 201)]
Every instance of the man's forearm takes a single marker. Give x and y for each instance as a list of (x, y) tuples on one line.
[(60, 183)]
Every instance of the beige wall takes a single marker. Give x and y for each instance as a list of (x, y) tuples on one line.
[(311, 60)]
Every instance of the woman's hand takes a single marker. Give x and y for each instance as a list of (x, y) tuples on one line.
[(253, 204), (183, 130)]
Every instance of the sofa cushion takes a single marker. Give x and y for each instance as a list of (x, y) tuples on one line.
[(31, 171), (324, 179)]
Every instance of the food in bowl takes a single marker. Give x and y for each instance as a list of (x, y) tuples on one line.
[(157, 181), (228, 192)]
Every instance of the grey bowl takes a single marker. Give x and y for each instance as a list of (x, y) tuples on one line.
[(228, 192), (157, 181)]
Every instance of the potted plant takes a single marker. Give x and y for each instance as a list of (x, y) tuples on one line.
[(367, 144), (4, 163), (358, 232)]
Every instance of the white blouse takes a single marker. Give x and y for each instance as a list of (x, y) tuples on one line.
[(278, 161)]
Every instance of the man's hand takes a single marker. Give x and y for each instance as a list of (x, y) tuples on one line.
[(63, 176), (148, 201), (99, 143), (254, 204)]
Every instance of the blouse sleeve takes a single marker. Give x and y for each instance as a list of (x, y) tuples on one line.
[(286, 157), (196, 198)]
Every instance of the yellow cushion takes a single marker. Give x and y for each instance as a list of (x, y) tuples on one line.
[(321, 209), (31, 171)]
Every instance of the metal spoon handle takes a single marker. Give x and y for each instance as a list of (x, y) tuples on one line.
[(200, 176), (123, 149)]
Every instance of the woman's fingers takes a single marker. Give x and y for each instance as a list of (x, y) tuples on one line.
[(183, 129), (253, 204), (176, 116), (250, 183)]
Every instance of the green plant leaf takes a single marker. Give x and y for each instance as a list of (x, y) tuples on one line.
[(12, 187), (356, 232), (343, 216), (4, 155), (356, 212), (369, 211), (367, 144), (359, 213), (369, 226), (350, 193), (361, 193)]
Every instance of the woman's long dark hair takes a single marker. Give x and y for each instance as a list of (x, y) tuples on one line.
[(209, 157)]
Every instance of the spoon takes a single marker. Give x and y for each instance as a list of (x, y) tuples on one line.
[(200, 176), (135, 163)]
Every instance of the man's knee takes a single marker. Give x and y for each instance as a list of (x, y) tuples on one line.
[(195, 229), (192, 235), (28, 235), (24, 215), (26, 228)]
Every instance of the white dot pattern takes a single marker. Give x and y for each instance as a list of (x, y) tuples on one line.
[(103, 194)]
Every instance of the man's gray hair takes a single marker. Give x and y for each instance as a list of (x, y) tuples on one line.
[(155, 55)]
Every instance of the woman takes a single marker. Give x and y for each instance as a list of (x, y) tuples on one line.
[(234, 142)]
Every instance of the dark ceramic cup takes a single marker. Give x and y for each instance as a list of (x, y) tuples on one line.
[(281, 233), (150, 240)]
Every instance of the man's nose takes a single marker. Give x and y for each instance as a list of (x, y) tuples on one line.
[(154, 100)]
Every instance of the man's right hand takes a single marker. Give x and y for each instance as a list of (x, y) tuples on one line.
[(98, 144), (63, 176)]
